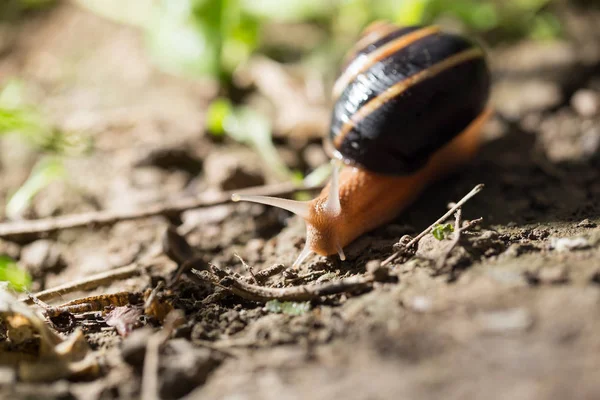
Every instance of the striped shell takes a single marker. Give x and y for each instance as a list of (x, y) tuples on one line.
[(404, 93)]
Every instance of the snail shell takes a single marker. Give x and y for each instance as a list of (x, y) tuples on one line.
[(404, 93)]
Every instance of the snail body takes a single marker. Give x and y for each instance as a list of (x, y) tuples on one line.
[(409, 108)]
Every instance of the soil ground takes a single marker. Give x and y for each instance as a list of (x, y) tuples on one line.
[(514, 314)]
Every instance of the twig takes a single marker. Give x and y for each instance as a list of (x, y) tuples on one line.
[(153, 294), (39, 227), (251, 292), (91, 282), (88, 304), (306, 277), (266, 273), (416, 239), (252, 277), (218, 295), (260, 276)]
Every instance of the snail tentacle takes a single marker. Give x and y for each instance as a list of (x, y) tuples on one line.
[(300, 208)]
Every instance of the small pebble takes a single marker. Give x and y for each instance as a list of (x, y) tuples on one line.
[(586, 223), (568, 244), (586, 102)]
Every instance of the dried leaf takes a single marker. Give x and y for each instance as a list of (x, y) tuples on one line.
[(124, 319), (158, 309)]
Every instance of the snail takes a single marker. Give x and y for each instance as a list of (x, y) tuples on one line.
[(409, 107)]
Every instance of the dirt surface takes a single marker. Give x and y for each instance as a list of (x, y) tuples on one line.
[(513, 313)]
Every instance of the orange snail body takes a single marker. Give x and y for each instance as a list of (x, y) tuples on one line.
[(410, 106)]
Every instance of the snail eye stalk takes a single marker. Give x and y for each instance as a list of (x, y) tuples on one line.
[(299, 208)]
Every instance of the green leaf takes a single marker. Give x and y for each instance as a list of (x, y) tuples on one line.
[(21, 120), (241, 34), (16, 277), (218, 111), (440, 231), (46, 171), (288, 307)]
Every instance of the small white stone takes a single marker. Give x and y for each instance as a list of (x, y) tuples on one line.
[(568, 244), (421, 303), (586, 102)]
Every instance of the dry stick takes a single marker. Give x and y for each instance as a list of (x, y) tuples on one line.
[(108, 217), (260, 276), (458, 205), (248, 268), (266, 273), (89, 303), (153, 294), (90, 283), (295, 293)]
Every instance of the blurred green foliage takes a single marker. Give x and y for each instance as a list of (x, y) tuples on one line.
[(17, 278), (19, 117), (510, 19), (212, 37), (27, 122)]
